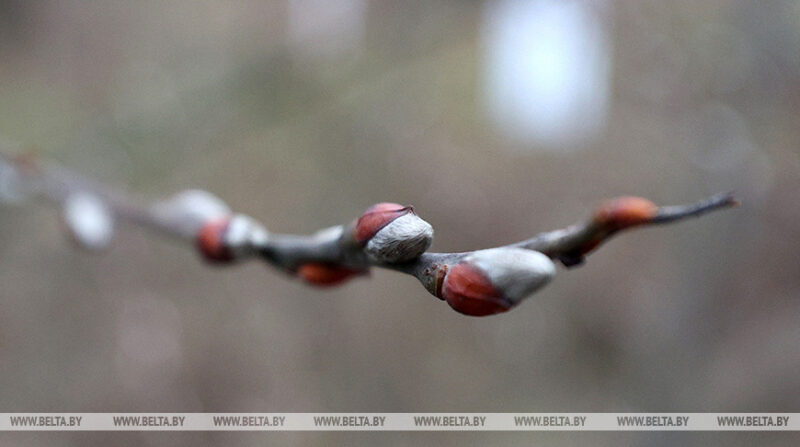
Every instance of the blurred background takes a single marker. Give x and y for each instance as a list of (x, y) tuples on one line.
[(496, 120)]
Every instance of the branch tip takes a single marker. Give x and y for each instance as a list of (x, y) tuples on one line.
[(672, 213)]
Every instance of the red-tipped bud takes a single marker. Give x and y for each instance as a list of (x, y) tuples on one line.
[(325, 275), (376, 217), (624, 212), (392, 233), (230, 238), (469, 291), (211, 240), (492, 281)]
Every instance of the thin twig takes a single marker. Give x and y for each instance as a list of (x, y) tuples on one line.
[(335, 254)]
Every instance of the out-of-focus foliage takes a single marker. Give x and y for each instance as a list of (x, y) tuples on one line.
[(303, 112)]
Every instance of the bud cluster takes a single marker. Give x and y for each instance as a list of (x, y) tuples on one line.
[(480, 283), (387, 235)]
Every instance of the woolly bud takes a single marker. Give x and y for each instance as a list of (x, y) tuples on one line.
[(392, 233), (230, 238), (624, 212), (188, 211), (492, 281), (324, 275), (89, 220)]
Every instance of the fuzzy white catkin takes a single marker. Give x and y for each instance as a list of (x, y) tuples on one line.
[(187, 211), (89, 220), (516, 272), (402, 239)]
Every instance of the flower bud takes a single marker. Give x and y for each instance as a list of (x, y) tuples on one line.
[(624, 212), (89, 220), (210, 240), (230, 238), (492, 281), (324, 275), (188, 211), (392, 233)]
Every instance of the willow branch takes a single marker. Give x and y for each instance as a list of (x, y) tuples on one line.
[(387, 236)]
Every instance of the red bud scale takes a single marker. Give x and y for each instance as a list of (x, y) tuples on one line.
[(210, 240), (392, 233), (324, 275), (624, 212), (492, 281), (229, 238)]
